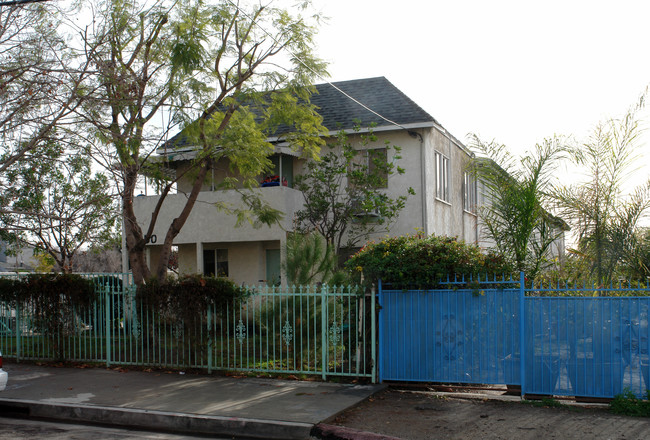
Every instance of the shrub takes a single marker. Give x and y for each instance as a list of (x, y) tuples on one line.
[(188, 299), (190, 295), (58, 300), (629, 405), (57, 303), (9, 288), (416, 261)]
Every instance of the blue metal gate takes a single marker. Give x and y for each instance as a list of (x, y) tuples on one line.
[(594, 345), (449, 336)]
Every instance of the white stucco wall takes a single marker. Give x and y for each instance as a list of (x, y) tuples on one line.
[(424, 211), (447, 217), (411, 217)]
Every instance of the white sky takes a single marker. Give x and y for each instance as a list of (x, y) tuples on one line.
[(514, 71)]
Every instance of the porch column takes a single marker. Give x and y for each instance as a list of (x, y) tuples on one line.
[(199, 257)]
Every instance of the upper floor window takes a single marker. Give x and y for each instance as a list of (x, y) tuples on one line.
[(282, 172), (373, 162), (469, 192), (442, 177)]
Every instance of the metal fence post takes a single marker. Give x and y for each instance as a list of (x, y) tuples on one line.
[(522, 333), (324, 347), (107, 307), (373, 332), (18, 331), (209, 342)]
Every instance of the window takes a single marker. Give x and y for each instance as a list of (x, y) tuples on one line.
[(377, 160), (364, 214), (215, 262), (374, 163), (442, 177), (469, 192), (282, 172)]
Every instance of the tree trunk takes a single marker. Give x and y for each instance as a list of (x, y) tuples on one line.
[(176, 225), (135, 241)]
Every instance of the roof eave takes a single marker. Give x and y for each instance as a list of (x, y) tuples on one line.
[(387, 127)]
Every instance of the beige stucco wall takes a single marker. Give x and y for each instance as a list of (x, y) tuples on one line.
[(206, 223), (187, 258), (246, 245), (246, 260), (423, 212), (411, 217)]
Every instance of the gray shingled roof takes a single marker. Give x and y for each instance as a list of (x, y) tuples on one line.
[(339, 111)]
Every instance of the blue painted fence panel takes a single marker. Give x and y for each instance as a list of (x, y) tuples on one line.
[(593, 347), (449, 336)]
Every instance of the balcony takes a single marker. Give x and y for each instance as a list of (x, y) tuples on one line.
[(206, 223)]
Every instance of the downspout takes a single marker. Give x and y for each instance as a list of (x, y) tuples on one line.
[(476, 241), (423, 191)]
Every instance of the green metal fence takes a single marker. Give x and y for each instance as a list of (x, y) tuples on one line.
[(300, 330)]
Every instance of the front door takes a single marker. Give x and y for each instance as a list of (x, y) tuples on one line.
[(273, 271)]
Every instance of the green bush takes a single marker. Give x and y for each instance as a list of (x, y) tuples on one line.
[(183, 305), (9, 289), (414, 261), (188, 298), (628, 404), (57, 303), (58, 300)]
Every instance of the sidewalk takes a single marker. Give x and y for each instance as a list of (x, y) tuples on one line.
[(239, 407)]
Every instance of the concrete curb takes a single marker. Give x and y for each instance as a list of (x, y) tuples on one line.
[(502, 398), (160, 420), (333, 432)]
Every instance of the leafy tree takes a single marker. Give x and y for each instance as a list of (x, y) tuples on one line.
[(214, 64), (344, 191), (604, 220), (515, 213), (45, 262), (98, 258), (40, 82), (59, 205)]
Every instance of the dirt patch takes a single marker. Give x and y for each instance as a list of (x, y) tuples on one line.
[(416, 415)]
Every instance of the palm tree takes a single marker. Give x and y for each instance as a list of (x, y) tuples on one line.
[(514, 214), (604, 220)]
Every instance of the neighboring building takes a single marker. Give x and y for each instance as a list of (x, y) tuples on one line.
[(435, 167), (20, 260)]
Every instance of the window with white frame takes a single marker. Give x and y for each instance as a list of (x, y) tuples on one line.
[(469, 192), (442, 177)]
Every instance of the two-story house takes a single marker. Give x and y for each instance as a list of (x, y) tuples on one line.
[(434, 162)]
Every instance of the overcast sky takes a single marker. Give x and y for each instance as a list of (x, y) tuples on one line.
[(514, 71)]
